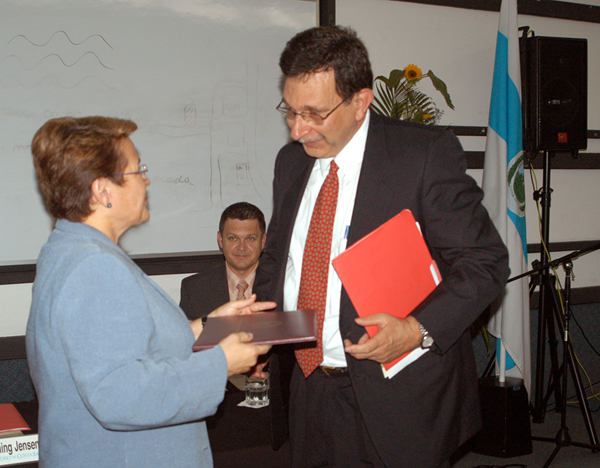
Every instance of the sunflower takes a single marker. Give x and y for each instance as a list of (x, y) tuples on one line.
[(412, 72), (399, 97)]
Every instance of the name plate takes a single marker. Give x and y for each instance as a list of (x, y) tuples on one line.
[(21, 449)]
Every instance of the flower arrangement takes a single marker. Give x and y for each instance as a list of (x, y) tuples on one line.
[(398, 96)]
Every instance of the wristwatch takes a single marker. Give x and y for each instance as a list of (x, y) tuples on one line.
[(427, 341)]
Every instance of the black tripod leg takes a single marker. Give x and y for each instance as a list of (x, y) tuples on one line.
[(563, 439), (569, 361), (544, 194), (552, 456), (555, 375), (555, 367), (539, 406), (548, 309), (583, 403)]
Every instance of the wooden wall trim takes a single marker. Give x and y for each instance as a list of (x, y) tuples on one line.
[(179, 263), (558, 161), (12, 347), (463, 130), (194, 262), (326, 12), (543, 8), (157, 264), (562, 160)]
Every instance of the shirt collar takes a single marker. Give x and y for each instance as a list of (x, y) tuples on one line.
[(236, 279), (349, 159)]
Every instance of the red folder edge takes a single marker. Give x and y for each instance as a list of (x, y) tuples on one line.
[(374, 284), (11, 420)]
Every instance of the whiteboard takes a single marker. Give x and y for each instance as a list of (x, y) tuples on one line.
[(199, 77)]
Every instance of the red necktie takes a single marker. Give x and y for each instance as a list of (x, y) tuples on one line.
[(315, 266)]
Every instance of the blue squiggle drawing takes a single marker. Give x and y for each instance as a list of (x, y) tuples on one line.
[(60, 58), (65, 34)]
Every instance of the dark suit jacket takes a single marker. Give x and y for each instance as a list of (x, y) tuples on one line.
[(204, 292), (419, 417)]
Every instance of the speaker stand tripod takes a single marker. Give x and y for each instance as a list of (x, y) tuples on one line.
[(561, 375), (549, 302)]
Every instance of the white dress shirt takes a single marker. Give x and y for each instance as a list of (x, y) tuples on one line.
[(349, 161)]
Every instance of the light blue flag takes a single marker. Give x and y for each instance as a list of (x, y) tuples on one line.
[(504, 188)]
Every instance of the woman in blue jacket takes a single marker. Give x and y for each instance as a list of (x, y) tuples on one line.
[(110, 353)]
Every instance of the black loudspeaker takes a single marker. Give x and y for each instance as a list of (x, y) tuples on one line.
[(506, 428), (555, 90)]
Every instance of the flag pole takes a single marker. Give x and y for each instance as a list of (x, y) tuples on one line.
[(502, 363), (504, 197)]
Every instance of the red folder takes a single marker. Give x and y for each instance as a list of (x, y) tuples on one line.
[(389, 270), (11, 420), (272, 328)]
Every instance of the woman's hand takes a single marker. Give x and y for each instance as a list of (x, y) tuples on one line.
[(241, 356), (242, 307)]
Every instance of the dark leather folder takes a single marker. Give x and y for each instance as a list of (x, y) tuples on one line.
[(273, 328)]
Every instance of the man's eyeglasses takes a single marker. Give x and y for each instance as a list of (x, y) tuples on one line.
[(309, 117), (143, 171)]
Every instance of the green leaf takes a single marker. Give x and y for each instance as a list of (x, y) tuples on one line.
[(386, 99), (399, 98), (395, 77), (441, 87), (384, 79), (377, 109)]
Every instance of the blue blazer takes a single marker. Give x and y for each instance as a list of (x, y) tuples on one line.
[(110, 356)]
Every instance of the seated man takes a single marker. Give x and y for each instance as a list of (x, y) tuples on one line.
[(241, 238)]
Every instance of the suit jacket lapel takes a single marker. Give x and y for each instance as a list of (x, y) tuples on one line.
[(374, 189), (290, 205), (293, 198)]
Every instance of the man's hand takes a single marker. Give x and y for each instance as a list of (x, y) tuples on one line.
[(242, 307), (394, 338), (258, 370)]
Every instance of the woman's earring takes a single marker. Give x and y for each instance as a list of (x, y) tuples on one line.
[(109, 206)]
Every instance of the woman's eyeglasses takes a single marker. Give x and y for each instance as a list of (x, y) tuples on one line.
[(143, 171)]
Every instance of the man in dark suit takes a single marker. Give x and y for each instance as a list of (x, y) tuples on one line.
[(345, 412), (241, 238)]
